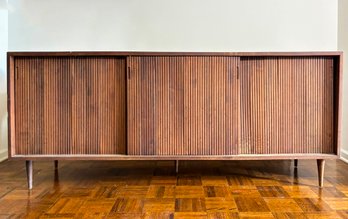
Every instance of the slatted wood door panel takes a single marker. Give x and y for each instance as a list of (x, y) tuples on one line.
[(287, 105), (184, 105), (70, 105)]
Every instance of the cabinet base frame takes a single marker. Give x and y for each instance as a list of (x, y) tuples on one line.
[(29, 171), (175, 157)]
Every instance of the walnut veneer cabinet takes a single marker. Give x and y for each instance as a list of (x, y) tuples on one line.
[(174, 106)]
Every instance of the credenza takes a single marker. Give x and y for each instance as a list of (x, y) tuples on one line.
[(174, 106)]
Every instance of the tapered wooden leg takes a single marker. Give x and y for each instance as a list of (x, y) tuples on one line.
[(56, 164), (56, 174), (29, 167), (321, 164), (295, 163), (176, 166)]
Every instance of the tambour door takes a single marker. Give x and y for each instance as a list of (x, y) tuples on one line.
[(70, 105), (183, 105), (287, 105)]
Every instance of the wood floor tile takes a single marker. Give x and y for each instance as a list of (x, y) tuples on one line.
[(66, 206), (161, 192), (343, 189), (96, 207), (312, 204), (17, 194), (251, 204), (95, 215), (77, 193), (215, 191), (112, 181), (159, 215), (313, 181), (129, 215), (263, 215), (219, 204), (190, 215), (189, 192), (14, 207), (202, 189), (40, 205), (190, 205), (265, 182), (337, 203), (189, 181), (57, 216), (300, 192), (235, 192), (138, 181), (127, 205), (240, 181), (132, 191), (289, 215), (159, 205), (214, 181), (5, 190), (50, 195), (343, 214), (329, 192), (107, 192), (223, 215), (272, 191), (282, 205), (163, 180), (323, 215)]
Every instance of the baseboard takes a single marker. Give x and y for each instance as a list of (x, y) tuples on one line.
[(344, 155), (3, 155)]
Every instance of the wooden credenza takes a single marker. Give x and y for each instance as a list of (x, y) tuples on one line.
[(174, 106)]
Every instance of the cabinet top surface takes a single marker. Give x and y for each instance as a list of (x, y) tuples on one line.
[(150, 53)]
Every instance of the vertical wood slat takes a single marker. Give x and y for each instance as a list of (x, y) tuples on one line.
[(179, 105), (70, 105), (287, 105)]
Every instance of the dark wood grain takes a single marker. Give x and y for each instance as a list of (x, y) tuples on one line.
[(183, 106), (70, 105), (78, 105), (287, 105)]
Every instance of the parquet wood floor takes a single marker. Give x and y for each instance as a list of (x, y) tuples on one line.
[(150, 189)]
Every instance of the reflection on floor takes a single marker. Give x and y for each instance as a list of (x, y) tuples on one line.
[(149, 189)]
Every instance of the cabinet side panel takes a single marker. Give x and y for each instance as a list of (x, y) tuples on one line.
[(287, 105), (328, 118)]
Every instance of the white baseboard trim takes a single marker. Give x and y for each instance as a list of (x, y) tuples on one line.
[(344, 155), (3, 155)]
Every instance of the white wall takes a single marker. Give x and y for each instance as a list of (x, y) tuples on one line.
[(180, 25), (164, 25), (343, 45), (3, 83)]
